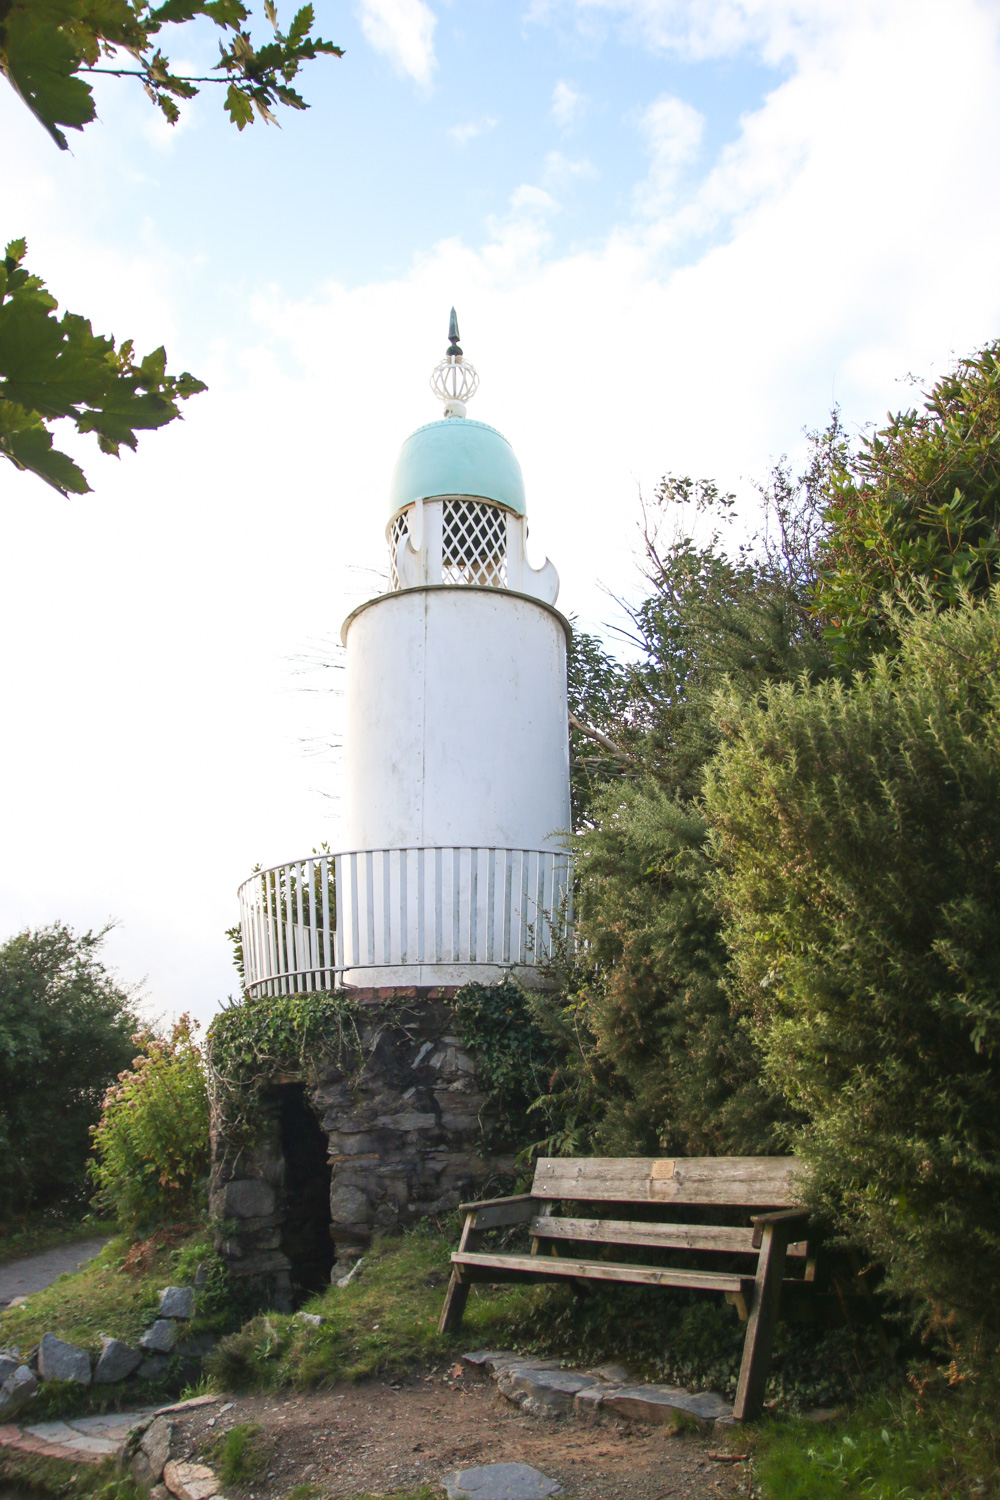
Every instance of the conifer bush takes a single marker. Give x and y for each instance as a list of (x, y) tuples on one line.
[(858, 831), (151, 1145)]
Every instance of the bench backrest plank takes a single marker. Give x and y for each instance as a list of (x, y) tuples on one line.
[(660, 1236), (749, 1181)]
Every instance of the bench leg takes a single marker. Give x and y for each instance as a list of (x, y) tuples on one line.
[(454, 1304), (457, 1294), (761, 1323)]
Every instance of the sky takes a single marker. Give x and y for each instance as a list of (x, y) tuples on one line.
[(676, 234)]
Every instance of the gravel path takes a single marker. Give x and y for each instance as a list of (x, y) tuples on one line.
[(20, 1278), (376, 1439)]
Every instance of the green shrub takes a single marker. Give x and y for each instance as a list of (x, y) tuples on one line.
[(917, 508), (671, 1065), (151, 1144), (859, 834), (65, 1029)]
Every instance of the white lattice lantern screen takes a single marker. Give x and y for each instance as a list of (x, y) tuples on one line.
[(473, 544)]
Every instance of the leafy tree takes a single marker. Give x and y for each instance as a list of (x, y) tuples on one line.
[(45, 45), (858, 830), (65, 1032), (600, 705), (151, 1145), (915, 513), (645, 1017), (53, 368), (57, 368)]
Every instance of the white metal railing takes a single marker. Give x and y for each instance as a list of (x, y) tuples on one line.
[(305, 923)]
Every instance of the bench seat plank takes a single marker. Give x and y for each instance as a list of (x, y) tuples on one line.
[(547, 1267), (752, 1181), (665, 1236)]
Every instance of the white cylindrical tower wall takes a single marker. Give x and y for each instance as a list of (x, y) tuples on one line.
[(457, 721)]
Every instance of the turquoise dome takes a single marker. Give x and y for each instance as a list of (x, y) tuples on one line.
[(456, 457)]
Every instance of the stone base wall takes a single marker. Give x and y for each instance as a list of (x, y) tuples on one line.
[(404, 1123)]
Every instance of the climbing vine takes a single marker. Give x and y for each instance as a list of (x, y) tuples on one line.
[(515, 1060), (251, 1040)]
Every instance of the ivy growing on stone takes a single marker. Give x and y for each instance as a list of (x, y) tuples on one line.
[(253, 1040)]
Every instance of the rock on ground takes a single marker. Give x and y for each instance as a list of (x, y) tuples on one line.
[(58, 1360), (152, 1454), (500, 1482), (190, 1481), (160, 1338), (117, 1362), (177, 1302), (16, 1390)]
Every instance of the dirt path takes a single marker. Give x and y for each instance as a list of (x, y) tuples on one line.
[(19, 1278), (377, 1439)]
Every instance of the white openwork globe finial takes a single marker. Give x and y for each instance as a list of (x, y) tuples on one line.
[(453, 379)]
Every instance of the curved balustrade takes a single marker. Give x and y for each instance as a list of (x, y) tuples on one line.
[(307, 923)]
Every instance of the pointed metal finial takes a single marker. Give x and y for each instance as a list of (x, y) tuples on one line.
[(453, 335), (453, 379)]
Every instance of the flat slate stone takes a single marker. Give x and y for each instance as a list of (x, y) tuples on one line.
[(659, 1404), (8, 1364), (500, 1482), (508, 1363), (58, 1360), (177, 1302), (543, 1392), (481, 1361)]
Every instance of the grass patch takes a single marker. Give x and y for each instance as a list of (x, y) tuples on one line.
[(384, 1323), (891, 1448), (117, 1293), (239, 1454), (99, 1298), (425, 1492), (24, 1474), (33, 1233)]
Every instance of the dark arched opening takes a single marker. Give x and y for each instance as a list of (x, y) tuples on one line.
[(305, 1234)]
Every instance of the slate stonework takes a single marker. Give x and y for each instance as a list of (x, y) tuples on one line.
[(405, 1135)]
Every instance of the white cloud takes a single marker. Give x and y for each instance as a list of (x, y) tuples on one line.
[(777, 30), (403, 31), (468, 132), (530, 200), (673, 130), (568, 104), (560, 170)]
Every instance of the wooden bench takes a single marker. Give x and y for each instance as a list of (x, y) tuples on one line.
[(763, 1209)]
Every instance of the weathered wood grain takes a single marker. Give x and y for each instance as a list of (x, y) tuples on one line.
[(761, 1324), (747, 1181), (665, 1236), (503, 1212), (603, 1270), (468, 1208)]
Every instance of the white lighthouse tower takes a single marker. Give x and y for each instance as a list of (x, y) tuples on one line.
[(456, 794)]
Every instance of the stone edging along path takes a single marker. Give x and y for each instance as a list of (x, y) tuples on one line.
[(543, 1388), (87, 1439)]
